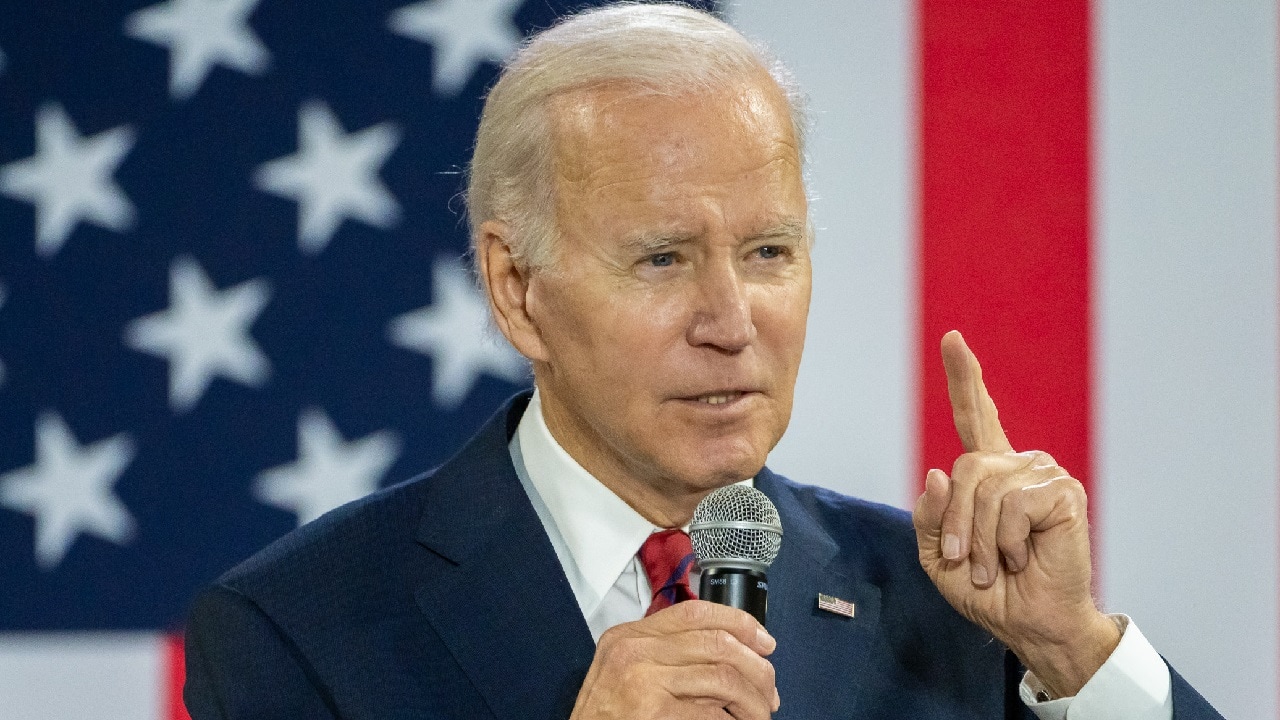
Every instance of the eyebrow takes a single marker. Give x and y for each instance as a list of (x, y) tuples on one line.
[(650, 243), (788, 228), (656, 242)]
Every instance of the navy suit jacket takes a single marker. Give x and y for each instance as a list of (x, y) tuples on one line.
[(443, 598)]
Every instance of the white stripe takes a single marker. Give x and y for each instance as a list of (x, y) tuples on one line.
[(82, 676), (1186, 420), (852, 427)]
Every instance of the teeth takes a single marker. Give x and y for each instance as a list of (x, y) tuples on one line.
[(719, 399)]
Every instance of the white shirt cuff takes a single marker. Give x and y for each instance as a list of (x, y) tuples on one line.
[(1133, 684)]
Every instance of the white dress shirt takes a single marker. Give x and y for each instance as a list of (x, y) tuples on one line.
[(596, 536)]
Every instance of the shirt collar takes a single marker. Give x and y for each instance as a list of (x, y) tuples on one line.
[(601, 532)]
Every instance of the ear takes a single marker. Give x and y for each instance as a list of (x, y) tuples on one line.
[(508, 288)]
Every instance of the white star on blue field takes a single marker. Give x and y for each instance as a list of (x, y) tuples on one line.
[(330, 470), (204, 333), (235, 290), (333, 176), (69, 179), (462, 33), (68, 491), (452, 331), (201, 34)]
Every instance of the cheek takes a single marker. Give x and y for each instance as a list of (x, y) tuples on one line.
[(642, 334), (607, 334), (782, 319), (655, 319)]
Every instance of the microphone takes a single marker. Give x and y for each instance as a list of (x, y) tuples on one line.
[(736, 535)]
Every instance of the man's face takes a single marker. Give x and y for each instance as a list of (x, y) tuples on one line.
[(673, 318)]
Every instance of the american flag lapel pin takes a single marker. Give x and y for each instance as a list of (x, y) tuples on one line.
[(833, 604)]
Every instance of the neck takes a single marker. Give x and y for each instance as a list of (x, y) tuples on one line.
[(661, 500), (657, 507)]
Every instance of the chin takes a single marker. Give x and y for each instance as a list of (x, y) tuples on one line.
[(710, 471), (741, 454)]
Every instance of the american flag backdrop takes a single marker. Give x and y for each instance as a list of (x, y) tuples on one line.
[(232, 291)]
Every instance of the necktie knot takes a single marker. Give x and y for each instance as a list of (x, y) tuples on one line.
[(667, 557)]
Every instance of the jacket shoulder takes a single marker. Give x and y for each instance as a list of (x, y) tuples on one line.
[(372, 540), (342, 542), (853, 521)]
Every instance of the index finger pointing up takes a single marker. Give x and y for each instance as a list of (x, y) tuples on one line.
[(972, 409)]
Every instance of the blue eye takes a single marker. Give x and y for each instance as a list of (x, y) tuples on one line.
[(769, 252), (662, 259)]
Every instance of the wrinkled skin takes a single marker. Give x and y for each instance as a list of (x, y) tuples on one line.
[(1005, 538), (665, 340), (681, 277)]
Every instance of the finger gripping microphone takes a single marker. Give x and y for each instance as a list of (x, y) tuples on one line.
[(736, 535)]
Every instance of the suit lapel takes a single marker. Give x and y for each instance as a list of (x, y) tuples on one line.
[(500, 600), (820, 654)]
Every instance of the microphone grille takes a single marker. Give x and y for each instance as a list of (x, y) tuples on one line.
[(736, 526)]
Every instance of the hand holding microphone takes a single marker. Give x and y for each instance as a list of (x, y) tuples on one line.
[(699, 659)]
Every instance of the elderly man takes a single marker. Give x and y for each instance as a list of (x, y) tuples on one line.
[(640, 224)]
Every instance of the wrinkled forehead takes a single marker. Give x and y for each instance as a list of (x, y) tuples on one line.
[(624, 127)]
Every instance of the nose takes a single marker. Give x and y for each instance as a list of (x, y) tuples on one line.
[(722, 314)]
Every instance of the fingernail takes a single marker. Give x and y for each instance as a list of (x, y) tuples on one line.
[(979, 574), (950, 547), (765, 640)]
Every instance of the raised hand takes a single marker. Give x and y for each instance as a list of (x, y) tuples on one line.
[(1005, 538), (692, 660)]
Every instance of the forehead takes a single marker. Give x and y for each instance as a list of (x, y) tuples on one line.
[(620, 144)]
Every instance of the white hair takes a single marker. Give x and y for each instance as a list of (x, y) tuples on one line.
[(662, 48)]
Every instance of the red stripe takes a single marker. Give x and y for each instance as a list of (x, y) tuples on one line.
[(1005, 218), (176, 675)]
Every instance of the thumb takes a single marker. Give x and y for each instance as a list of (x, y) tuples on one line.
[(927, 517)]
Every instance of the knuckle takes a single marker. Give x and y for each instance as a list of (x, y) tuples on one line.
[(980, 545), (1043, 459), (1066, 485), (621, 654), (988, 492), (609, 638), (1013, 504), (954, 520), (919, 518), (725, 676), (698, 613), (1011, 535), (716, 642), (966, 467), (1075, 494), (1069, 497)]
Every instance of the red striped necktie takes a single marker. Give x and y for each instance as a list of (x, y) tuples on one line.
[(667, 557)]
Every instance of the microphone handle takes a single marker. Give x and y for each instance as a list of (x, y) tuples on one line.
[(736, 587)]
